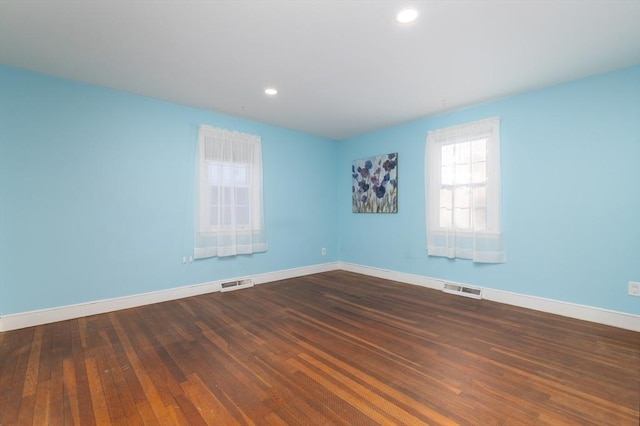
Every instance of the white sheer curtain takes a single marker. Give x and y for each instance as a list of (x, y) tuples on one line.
[(462, 172), (230, 218)]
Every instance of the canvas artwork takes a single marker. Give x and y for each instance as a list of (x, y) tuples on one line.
[(375, 184)]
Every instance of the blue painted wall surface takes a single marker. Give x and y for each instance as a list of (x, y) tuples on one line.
[(97, 187), (571, 195)]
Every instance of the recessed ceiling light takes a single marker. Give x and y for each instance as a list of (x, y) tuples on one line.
[(406, 16), (271, 91)]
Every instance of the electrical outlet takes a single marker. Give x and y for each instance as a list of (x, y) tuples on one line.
[(324, 251), (634, 288)]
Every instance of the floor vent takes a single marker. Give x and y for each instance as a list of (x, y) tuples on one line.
[(463, 290), (236, 285)]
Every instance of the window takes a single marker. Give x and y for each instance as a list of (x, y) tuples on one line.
[(229, 203), (463, 192)]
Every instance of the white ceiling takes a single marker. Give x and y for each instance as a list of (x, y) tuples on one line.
[(342, 67)]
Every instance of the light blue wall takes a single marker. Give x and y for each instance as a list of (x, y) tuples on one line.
[(571, 195), (97, 186), (96, 195)]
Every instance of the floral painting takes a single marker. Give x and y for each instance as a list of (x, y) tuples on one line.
[(374, 185)]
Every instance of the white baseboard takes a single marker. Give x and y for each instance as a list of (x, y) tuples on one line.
[(582, 312), (45, 316), (295, 272), (393, 275), (566, 309)]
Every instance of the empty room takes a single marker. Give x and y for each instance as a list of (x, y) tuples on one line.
[(319, 212)]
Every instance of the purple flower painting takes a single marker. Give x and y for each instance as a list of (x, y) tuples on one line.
[(374, 187)]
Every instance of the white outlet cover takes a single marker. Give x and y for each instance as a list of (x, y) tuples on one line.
[(634, 288)]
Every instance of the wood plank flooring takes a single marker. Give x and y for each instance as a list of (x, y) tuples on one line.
[(330, 349)]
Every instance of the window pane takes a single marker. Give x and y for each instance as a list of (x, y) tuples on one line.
[(446, 199), (479, 172), (445, 218), (228, 196), (241, 175), (479, 150), (213, 171), (462, 197), (212, 207), (461, 218), (463, 152), (462, 174), (480, 196), (480, 219), (242, 215), (447, 175), (213, 215), (227, 216), (447, 155), (242, 196), (462, 202), (227, 174)]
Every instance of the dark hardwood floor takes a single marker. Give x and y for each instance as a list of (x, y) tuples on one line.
[(333, 348)]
